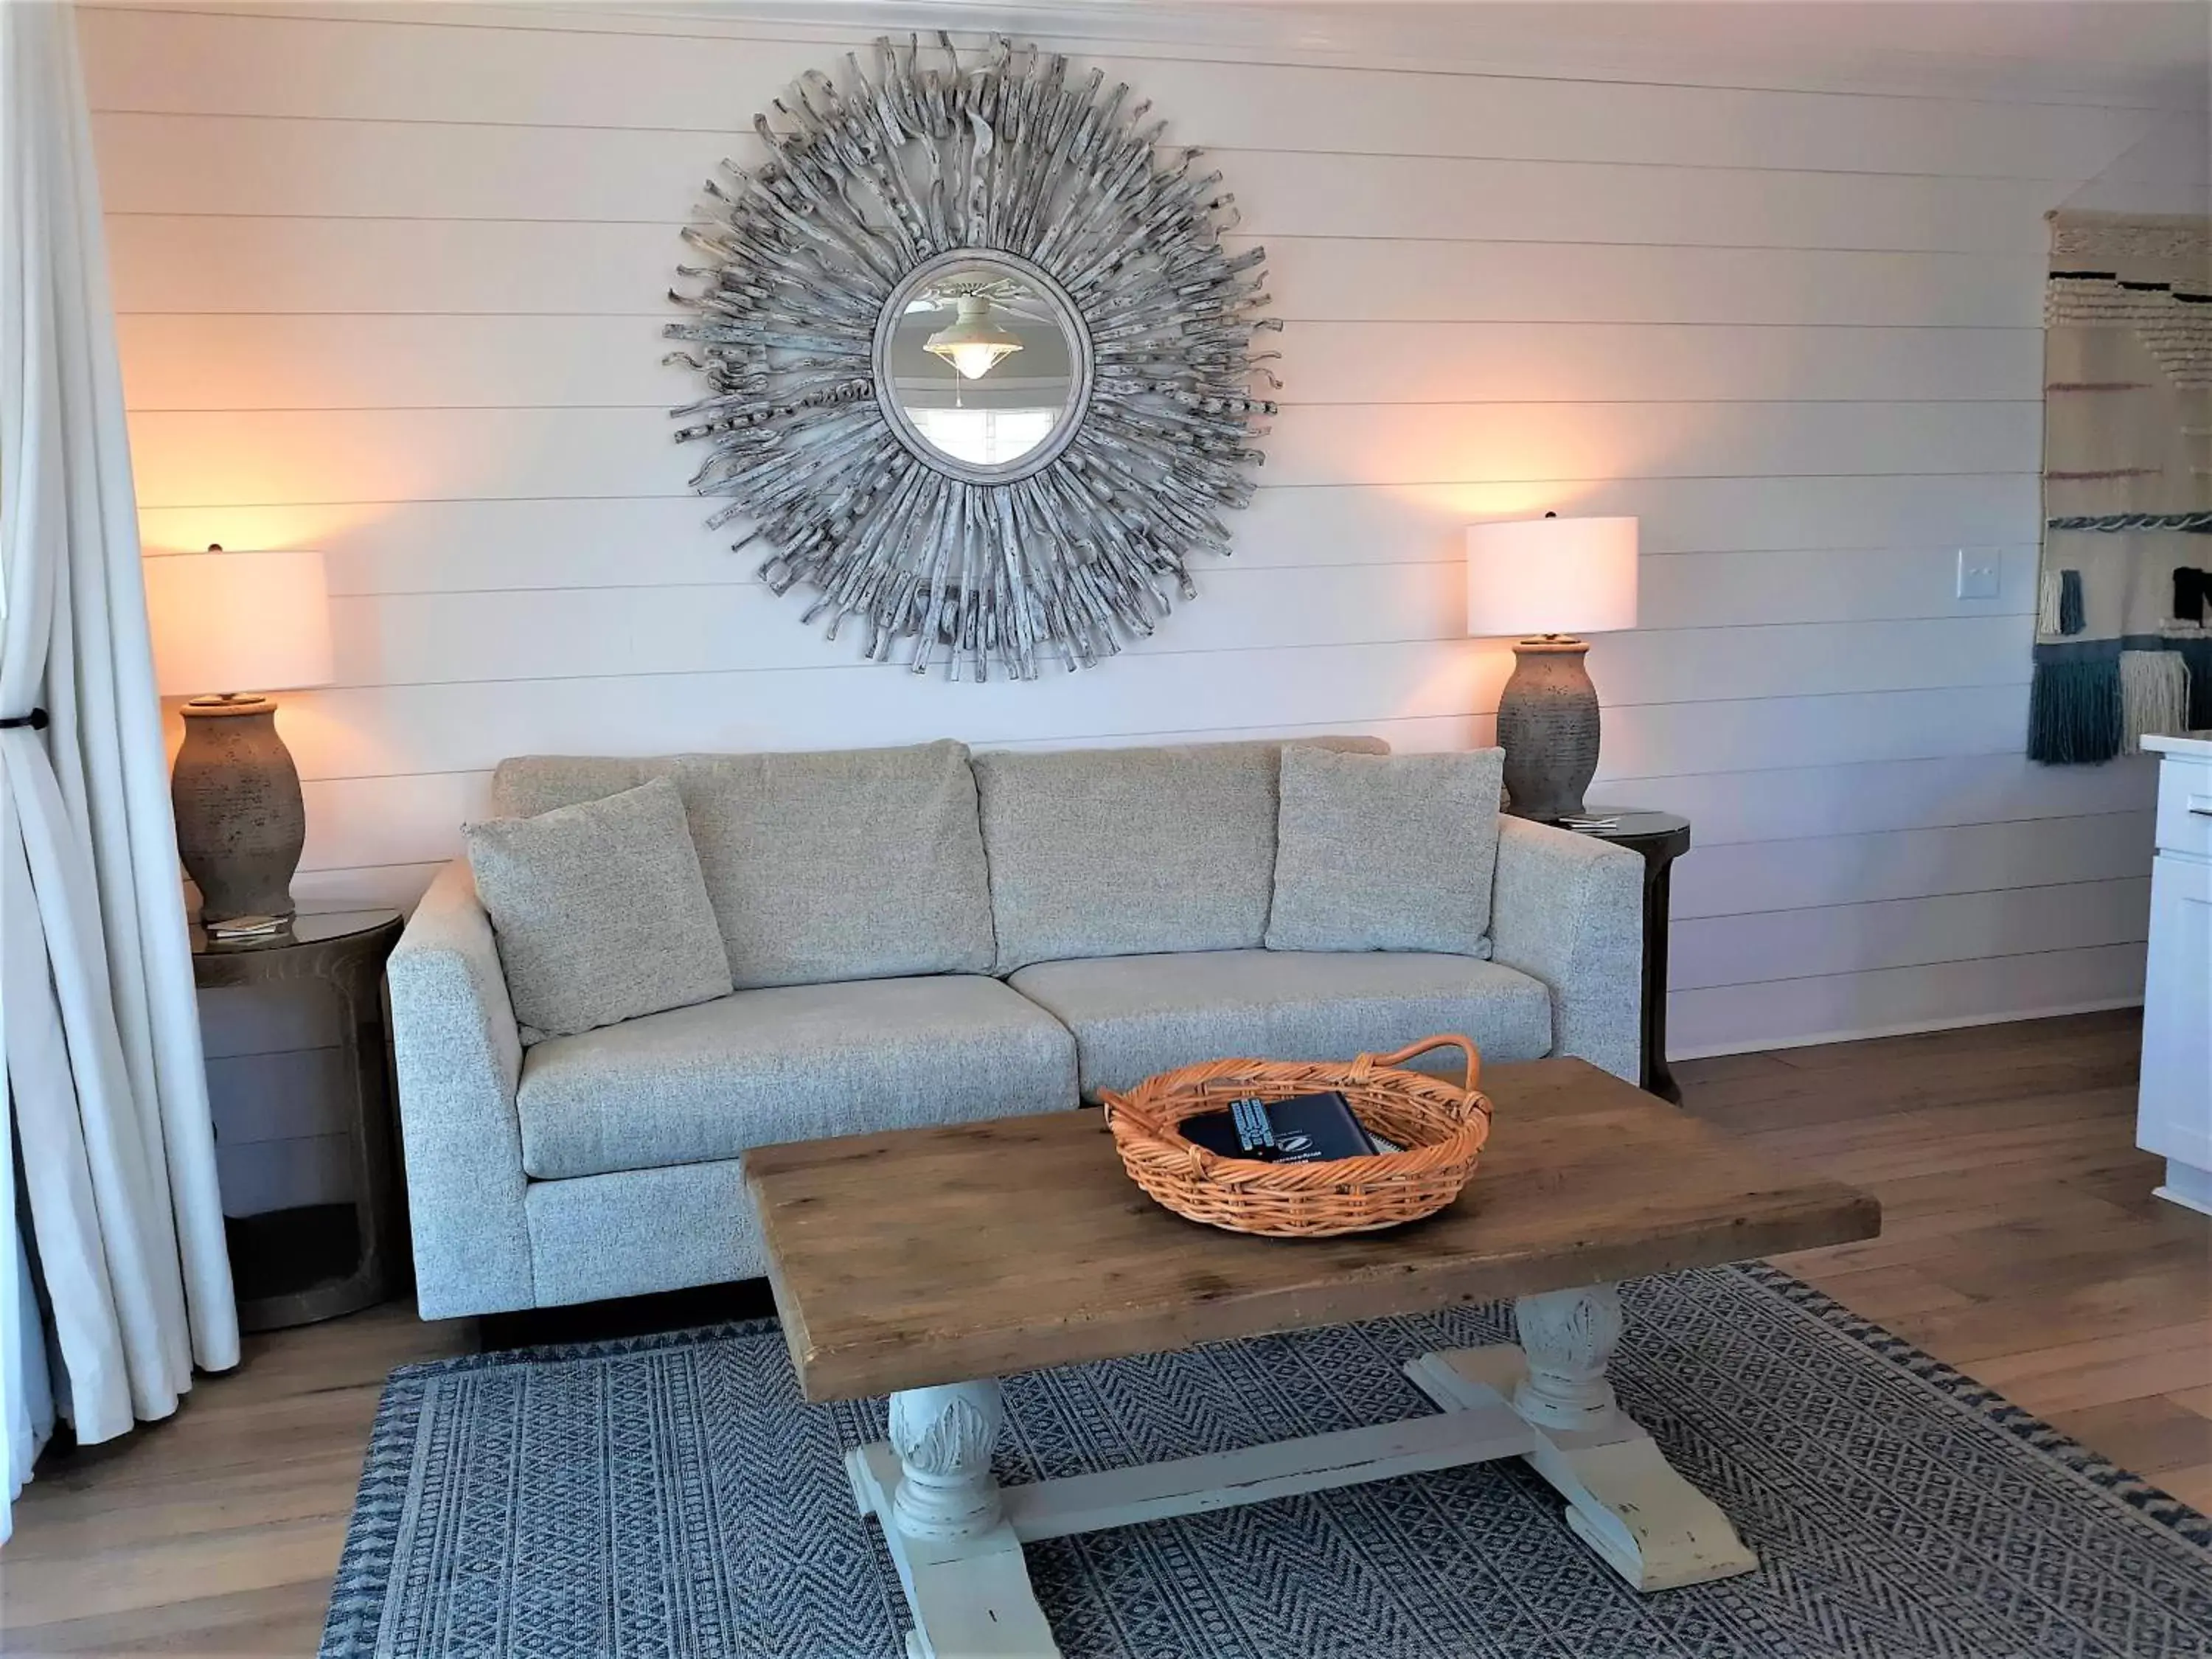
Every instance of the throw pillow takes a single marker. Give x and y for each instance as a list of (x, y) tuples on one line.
[(600, 911), (1386, 852)]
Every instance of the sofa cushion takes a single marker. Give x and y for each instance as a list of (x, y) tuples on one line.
[(835, 865), (789, 1063), (599, 911), (846, 864), (1126, 852), (523, 786), (636, 1232), (1134, 1016), (1386, 852)]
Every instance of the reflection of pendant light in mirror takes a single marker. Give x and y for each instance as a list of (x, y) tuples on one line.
[(972, 343)]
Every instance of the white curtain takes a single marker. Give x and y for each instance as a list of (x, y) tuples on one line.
[(25, 1387), (98, 1024)]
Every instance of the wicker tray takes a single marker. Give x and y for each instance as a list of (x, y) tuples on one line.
[(1440, 1127)]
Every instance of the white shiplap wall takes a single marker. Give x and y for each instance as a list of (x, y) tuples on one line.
[(389, 283)]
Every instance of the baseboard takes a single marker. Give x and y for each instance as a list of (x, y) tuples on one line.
[(1909, 1028)]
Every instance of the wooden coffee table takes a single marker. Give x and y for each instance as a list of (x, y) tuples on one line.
[(926, 1263)]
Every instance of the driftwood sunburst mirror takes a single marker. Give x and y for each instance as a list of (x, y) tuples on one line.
[(978, 370)]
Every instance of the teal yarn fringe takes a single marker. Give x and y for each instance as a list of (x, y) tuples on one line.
[(2074, 712), (2071, 619)]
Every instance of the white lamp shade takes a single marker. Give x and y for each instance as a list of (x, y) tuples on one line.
[(238, 622), (1551, 576)]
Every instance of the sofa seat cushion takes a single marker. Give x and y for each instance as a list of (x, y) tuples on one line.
[(1134, 1016), (789, 1063)]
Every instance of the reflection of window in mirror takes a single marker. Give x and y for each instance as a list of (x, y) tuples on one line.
[(985, 437)]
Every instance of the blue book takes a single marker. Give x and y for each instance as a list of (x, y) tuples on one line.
[(1304, 1129)]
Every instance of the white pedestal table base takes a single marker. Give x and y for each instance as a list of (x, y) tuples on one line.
[(957, 1536)]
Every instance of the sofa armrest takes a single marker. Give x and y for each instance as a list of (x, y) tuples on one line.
[(1568, 909), (459, 1058)]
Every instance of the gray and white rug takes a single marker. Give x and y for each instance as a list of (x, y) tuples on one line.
[(674, 1496)]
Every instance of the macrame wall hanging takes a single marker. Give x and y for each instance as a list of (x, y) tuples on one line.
[(2123, 632)]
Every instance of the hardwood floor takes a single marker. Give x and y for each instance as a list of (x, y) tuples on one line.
[(2020, 1240), (2022, 1244)]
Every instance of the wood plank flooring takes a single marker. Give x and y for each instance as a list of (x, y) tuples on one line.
[(2021, 1245), (2020, 1240)]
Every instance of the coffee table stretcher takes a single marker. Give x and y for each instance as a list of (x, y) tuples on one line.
[(1624, 1499), (957, 1536)]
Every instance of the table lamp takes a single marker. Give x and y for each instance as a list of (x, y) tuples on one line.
[(1550, 579), (224, 622)]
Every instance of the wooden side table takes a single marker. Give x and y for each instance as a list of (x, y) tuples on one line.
[(307, 1143), (1661, 838)]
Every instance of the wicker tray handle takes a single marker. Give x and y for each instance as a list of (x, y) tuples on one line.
[(1367, 1063)]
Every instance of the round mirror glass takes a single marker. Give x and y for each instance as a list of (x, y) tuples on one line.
[(982, 365)]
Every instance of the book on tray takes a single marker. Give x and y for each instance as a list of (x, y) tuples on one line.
[(1303, 1129)]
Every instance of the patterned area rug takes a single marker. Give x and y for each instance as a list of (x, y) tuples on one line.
[(674, 1496)]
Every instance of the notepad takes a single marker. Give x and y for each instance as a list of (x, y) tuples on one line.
[(1303, 1129)]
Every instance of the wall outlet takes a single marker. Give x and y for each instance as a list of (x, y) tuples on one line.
[(1978, 576)]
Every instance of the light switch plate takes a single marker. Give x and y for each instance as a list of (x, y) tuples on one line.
[(1979, 577)]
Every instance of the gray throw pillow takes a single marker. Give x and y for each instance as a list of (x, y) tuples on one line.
[(1386, 852), (600, 911)]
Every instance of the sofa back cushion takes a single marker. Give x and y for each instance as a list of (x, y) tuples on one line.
[(837, 865), (1131, 852), (846, 864), (524, 786)]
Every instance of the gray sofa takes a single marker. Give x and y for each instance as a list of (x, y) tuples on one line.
[(924, 936)]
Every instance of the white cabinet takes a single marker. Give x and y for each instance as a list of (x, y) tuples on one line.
[(2174, 1109)]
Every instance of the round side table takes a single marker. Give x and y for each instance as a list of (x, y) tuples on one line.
[(1661, 838), (309, 1113)]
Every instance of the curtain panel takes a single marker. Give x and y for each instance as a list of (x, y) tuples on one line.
[(2123, 635), (27, 1402), (98, 1019)]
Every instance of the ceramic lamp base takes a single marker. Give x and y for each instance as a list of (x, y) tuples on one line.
[(1547, 724), (240, 824)]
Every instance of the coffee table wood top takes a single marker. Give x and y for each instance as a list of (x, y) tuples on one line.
[(922, 1256)]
